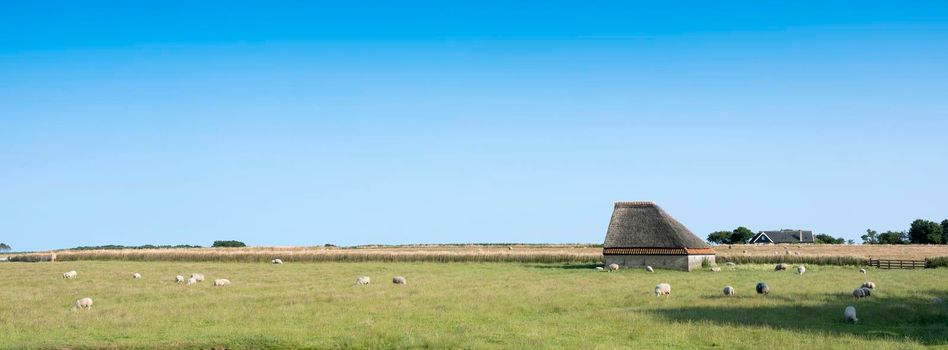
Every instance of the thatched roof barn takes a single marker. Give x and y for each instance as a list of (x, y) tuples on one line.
[(642, 234)]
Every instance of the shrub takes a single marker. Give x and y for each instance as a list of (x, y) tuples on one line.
[(793, 259), (228, 244)]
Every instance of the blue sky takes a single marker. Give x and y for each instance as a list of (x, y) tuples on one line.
[(304, 123)]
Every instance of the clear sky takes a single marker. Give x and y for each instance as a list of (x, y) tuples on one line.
[(304, 123)]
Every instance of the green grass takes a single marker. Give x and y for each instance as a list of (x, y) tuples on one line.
[(463, 305)]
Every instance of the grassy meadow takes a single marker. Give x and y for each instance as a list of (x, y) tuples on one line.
[(462, 305)]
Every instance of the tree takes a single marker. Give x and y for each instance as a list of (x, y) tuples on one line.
[(893, 237), (741, 235), (719, 237), (4, 247), (228, 244), (827, 239), (944, 231), (850, 242), (925, 232), (871, 237)]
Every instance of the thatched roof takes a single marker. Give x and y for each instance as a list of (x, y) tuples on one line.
[(646, 225)]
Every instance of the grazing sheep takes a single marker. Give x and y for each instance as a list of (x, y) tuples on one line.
[(509, 248), (862, 271), (613, 267), (796, 253), (780, 267), (663, 289), (599, 268), (136, 276), (197, 277), (728, 290), (362, 280), (192, 281), (399, 280), (730, 263), (178, 279), (715, 269), (936, 300), (276, 262), (860, 293), (869, 285), (762, 288), (221, 282), (850, 314), (801, 269), (649, 269), (70, 275), (84, 303)]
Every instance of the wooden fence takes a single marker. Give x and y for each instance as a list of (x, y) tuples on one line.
[(898, 264)]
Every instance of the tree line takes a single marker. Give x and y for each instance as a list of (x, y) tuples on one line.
[(742, 235), (921, 231)]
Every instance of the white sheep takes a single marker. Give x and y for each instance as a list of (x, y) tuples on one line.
[(136, 276), (801, 269), (399, 280), (197, 277), (599, 268), (728, 290), (192, 281), (84, 303), (277, 261), (850, 314), (663, 289), (613, 267), (178, 279), (221, 282), (715, 269), (869, 285), (363, 280), (649, 269), (862, 271), (70, 274)]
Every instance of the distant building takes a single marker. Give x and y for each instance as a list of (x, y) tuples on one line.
[(642, 234), (782, 236)]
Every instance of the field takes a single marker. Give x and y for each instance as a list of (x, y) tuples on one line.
[(525, 253), (462, 305)]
